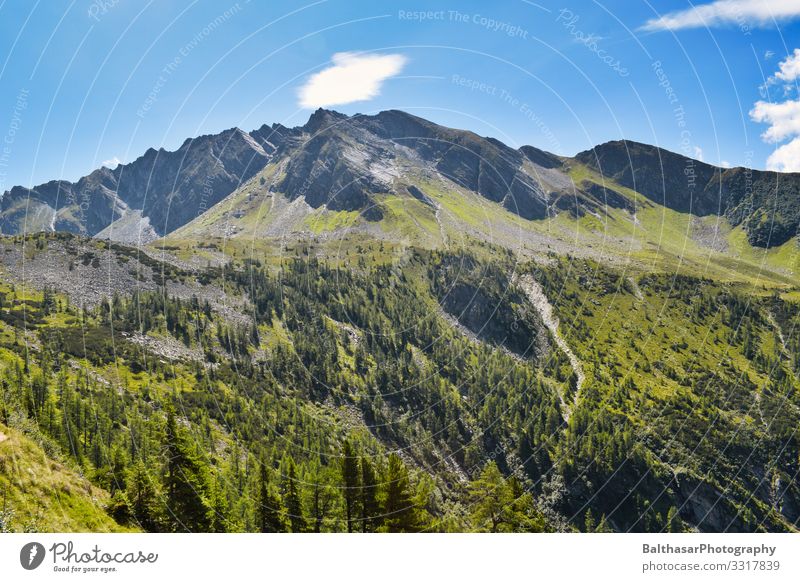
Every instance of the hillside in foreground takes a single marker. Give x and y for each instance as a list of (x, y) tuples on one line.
[(394, 388), (41, 494)]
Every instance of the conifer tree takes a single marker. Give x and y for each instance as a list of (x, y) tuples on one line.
[(269, 508), (323, 495), (370, 507), (491, 498), (291, 499), (350, 477), (185, 482), (589, 523), (143, 497), (674, 524), (400, 515)]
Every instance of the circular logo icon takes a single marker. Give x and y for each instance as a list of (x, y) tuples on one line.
[(31, 555)]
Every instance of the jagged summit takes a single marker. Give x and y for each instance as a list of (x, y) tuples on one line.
[(350, 163)]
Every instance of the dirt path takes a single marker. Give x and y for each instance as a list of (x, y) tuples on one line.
[(539, 300)]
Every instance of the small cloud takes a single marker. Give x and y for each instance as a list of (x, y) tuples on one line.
[(783, 119), (789, 68), (698, 153), (112, 163), (725, 164), (786, 158), (788, 73), (353, 77), (725, 12)]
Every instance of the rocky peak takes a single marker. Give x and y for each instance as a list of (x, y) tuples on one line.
[(322, 119)]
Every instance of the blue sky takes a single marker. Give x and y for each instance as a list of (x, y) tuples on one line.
[(87, 82)]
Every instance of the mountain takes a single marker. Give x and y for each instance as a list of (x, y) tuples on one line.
[(158, 192), (767, 204), (349, 164), (375, 323)]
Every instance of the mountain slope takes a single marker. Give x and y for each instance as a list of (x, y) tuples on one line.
[(352, 164), (166, 188), (658, 401), (766, 204), (43, 495)]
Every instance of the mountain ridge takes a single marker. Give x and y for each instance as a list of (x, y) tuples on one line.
[(345, 163), (742, 195)]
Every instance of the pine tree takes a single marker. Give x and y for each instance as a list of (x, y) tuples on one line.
[(603, 526), (270, 508), (674, 524), (219, 509), (323, 495), (523, 515), (143, 497), (291, 499), (399, 510), (185, 482), (589, 523), (370, 507), (491, 498), (350, 476)]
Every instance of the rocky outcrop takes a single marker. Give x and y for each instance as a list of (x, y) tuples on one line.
[(538, 299), (167, 188)]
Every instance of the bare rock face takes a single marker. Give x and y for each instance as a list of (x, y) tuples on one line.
[(168, 188), (344, 161)]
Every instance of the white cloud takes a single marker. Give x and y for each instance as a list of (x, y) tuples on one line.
[(789, 68), (741, 12), (353, 77), (786, 158), (698, 153), (783, 119), (725, 164), (112, 163)]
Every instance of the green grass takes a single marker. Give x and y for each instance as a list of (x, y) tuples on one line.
[(655, 239), (45, 495), (322, 220)]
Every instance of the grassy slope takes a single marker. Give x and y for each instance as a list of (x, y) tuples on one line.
[(653, 239), (45, 495)]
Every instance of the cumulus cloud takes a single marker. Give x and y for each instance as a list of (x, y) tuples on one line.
[(783, 119), (724, 12), (789, 68), (353, 77), (786, 158)]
